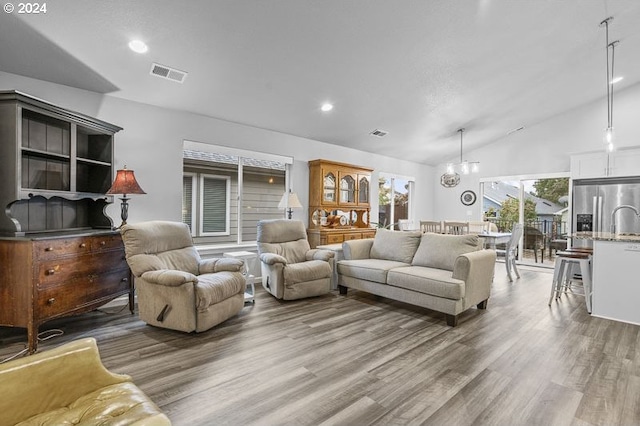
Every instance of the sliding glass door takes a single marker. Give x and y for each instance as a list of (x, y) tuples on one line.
[(540, 204)]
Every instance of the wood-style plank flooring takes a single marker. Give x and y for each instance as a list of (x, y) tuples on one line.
[(364, 360)]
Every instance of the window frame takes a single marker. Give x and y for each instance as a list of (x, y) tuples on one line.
[(194, 199)]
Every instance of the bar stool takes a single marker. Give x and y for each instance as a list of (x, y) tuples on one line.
[(565, 269)]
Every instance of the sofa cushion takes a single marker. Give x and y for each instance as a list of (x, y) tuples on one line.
[(441, 250), (368, 269), (310, 270), (436, 282), (394, 245)]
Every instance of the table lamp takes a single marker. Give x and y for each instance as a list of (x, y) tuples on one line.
[(125, 183), (289, 201)]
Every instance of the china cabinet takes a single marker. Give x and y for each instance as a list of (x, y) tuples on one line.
[(58, 251), (339, 202)]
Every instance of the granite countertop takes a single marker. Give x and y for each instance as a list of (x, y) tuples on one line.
[(608, 236)]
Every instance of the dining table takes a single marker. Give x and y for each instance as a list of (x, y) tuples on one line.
[(490, 239)]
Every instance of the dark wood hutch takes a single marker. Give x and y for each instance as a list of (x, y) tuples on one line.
[(339, 202), (59, 253)]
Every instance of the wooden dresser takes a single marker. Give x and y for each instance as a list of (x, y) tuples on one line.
[(49, 277), (58, 252), (339, 202)]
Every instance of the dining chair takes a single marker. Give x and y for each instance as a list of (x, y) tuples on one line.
[(511, 250), (430, 226), (456, 228)]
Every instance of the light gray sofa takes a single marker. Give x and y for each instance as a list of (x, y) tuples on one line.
[(446, 273)]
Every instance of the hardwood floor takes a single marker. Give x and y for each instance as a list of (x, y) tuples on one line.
[(364, 360)]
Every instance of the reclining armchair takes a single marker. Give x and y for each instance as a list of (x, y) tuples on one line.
[(290, 268), (176, 288)]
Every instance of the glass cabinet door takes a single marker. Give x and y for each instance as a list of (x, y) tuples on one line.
[(363, 190), (329, 188), (347, 189)]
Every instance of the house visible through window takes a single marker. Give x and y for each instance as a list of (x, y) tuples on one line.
[(225, 195)]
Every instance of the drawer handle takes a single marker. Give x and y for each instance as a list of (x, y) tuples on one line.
[(51, 301), (83, 245), (125, 279), (51, 271), (48, 249), (102, 243)]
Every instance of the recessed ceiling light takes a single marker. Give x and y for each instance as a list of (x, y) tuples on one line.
[(326, 107), (138, 46), (616, 80)]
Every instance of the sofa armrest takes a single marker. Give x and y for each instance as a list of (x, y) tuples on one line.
[(319, 254), (272, 259), (219, 264), (476, 269), (357, 249), (52, 379), (168, 277)]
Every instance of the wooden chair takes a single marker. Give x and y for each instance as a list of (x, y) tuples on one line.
[(456, 228), (430, 226)]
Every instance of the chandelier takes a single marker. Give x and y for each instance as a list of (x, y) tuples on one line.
[(464, 166), (609, 137)]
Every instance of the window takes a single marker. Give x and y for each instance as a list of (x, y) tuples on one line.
[(394, 199), (226, 192)]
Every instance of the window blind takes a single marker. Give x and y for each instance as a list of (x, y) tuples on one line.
[(214, 205)]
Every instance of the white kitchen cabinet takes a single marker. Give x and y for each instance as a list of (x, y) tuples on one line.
[(623, 162), (616, 281)]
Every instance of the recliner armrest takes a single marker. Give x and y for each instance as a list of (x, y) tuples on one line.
[(319, 254), (169, 277), (272, 258), (219, 264)]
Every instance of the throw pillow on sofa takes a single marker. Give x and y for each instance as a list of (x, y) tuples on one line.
[(394, 245), (441, 250)]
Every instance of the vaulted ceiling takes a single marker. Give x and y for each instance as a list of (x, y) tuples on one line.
[(417, 69)]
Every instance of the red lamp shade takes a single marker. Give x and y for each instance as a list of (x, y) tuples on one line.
[(125, 183)]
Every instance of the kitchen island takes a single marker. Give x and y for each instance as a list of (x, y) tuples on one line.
[(616, 275)]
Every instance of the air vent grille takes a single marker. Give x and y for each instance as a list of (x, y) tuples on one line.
[(168, 73), (379, 133)]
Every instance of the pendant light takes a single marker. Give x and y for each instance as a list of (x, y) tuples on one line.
[(464, 166), (609, 136), (450, 178)]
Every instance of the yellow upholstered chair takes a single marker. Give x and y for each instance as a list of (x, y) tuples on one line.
[(69, 385)]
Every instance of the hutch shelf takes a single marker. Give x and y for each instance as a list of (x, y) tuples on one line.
[(339, 202), (59, 252)]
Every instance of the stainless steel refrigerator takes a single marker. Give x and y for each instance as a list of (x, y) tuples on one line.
[(594, 201)]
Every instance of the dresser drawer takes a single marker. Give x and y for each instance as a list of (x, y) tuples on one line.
[(106, 242), (335, 238), (52, 272), (354, 236), (369, 234), (61, 247), (81, 293)]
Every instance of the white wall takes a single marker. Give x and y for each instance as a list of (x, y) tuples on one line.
[(151, 144), (540, 149)]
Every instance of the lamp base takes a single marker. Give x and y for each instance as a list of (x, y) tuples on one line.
[(124, 211)]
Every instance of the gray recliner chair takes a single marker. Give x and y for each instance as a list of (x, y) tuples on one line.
[(290, 268), (176, 288)]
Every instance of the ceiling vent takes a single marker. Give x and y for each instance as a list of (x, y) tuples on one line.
[(169, 73), (379, 133)]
